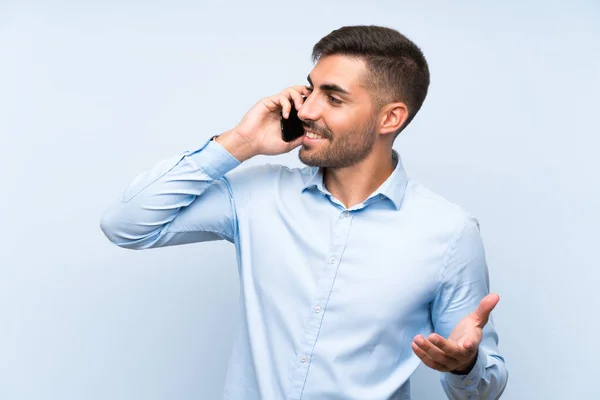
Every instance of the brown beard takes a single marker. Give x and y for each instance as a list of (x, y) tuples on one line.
[(343, 150)]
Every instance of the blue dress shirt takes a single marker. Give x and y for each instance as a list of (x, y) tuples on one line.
[(331, 298)]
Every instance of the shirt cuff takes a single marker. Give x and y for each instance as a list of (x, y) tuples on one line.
[(471, 380), (213, 159)]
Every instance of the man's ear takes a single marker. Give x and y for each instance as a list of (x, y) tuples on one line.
[(393, 117)]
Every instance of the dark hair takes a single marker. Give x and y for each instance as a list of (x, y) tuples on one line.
[(397, 68)]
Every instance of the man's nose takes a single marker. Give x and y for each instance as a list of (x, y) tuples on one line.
[(309, 110)]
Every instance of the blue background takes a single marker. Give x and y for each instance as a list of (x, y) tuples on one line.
[(92, 93)]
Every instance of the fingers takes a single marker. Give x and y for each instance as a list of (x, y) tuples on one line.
[(461, 350), (297, 94), (427, 360), (302, 89), (285, 104), (433, 355), (283, 100), (297, 98), (448, 347), (483, 311), (272, 103)]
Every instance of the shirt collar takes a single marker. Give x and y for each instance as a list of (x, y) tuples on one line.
[(392, 189)]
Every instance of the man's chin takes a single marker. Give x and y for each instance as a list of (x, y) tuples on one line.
[(306, 158)]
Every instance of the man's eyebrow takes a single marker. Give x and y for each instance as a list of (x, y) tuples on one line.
[(330, 87)]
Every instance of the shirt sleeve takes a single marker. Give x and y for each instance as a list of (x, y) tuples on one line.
[(464, 283), (182, 199)]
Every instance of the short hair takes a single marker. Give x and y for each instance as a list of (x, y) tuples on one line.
[(397, 69)]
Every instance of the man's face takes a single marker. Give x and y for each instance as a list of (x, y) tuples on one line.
[(339, 111)]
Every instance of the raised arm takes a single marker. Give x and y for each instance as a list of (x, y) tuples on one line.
[(182, 199), (187, 198)]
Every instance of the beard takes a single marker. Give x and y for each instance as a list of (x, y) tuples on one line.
[(345, 150)]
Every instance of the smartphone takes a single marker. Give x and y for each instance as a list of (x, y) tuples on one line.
[(291, 128)]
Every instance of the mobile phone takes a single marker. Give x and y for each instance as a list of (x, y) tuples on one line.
[(291, 128)]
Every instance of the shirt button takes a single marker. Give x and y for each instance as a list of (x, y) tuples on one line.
[(303, 359), (332, 260), (381, 196), (317, 309), (468, 382), (345, 214)]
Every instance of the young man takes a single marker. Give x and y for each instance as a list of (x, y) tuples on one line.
[(347, 267)]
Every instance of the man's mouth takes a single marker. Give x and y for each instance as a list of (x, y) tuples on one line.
[(312, 135)]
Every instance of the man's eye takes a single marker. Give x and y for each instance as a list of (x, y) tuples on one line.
[(334, 100)]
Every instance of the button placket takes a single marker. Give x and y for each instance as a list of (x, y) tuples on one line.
[(324, 287)]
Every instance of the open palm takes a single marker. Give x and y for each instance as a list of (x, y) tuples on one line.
[(458, 353)]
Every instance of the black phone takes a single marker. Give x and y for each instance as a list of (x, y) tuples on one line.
[(291, 128)]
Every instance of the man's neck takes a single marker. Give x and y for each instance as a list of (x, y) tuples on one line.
[(353, 185)]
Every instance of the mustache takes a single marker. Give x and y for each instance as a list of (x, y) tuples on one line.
[(311, 126)]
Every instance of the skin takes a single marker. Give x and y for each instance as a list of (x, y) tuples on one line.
[(355, 152), (458, 353)]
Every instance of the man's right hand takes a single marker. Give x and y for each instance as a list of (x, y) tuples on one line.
[(259, 132)]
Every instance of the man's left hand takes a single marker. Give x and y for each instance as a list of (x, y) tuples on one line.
[(458, 353)]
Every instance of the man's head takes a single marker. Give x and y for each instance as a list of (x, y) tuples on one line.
[(368, 81)]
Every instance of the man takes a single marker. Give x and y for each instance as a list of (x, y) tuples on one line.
[(347, 267)]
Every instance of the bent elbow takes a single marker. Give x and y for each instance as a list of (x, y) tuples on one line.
[(111, 226), (121, 232)]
